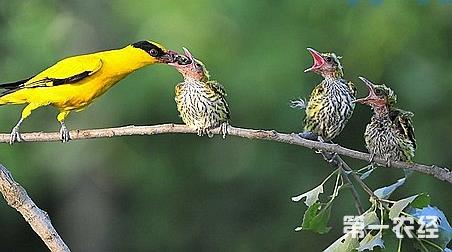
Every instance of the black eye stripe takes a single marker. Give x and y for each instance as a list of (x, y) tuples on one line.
[(153, 52), (148, 46)]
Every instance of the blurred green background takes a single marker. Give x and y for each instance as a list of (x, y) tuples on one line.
[(186, 193)]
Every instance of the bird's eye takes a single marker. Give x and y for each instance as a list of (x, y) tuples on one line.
[(198, 66), (329, 59), (153, 52), (378, 92)]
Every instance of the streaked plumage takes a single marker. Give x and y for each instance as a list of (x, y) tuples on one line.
[(390, 133), (201, 102), (73, 83), (330, 104)]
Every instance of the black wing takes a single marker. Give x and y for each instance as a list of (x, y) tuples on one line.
[(67, 71), (403, 121), (45, 82), (14, 85)]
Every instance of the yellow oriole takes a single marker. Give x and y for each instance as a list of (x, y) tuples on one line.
[(73, 83)]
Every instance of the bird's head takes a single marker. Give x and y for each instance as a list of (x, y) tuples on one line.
[(190, 67), (326, 64), (380, 96), (156, 53)]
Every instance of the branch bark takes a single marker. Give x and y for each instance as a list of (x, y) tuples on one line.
[(442, 173), (16, 196)]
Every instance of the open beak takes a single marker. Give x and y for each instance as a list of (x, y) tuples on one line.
[(169, 57), (371, 96), (182, 60), (189, 56), (318, 60)]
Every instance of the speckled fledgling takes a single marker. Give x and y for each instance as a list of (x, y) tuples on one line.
[(201, 102), (390, 133), (330, 105)]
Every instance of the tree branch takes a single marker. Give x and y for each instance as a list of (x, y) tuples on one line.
[(335, 161), (16, 196), (442, 173)]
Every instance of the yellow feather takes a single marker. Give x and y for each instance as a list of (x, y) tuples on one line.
[(105, 69)]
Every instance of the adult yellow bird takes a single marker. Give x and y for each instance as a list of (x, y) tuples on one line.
[(73, 83)]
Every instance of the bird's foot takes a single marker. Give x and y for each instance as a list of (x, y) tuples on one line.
[(372, 157), (200, 132), (64, 133), (298, 104), (309, 135), (330, 157), (15, 136), (224, 129)]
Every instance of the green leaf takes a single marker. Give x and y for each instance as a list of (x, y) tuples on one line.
[(311, 196), (370, 218), (316, 218), (346, 243), (444, 228), (398, 207), (385, 192), (421, 201), (370, 242), (309, 214)]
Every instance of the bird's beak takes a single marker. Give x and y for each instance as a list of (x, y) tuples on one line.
[(169, 57), (318, 60), (371, 96), (189, 56), (180, 60)]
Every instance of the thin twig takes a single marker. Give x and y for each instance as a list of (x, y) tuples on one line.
[(16, 196), (355, 195), (358, 179), (332, 159), (438, 172), (339, 162)]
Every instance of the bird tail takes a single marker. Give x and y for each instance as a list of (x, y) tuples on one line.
[(2, 101), (298, 104), (11, 87)]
